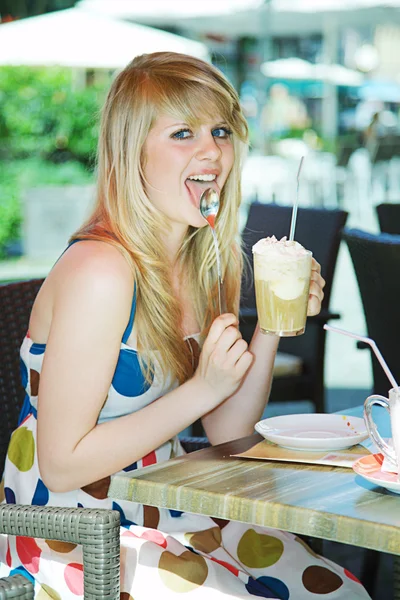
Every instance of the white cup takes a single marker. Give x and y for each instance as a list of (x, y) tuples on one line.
[(392, 405)]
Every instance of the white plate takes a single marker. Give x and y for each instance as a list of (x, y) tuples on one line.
[(369, 467), (313, 431)]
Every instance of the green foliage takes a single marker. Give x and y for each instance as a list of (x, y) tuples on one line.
[(17, 176), (48, 135), (10, 213), (41, 114)]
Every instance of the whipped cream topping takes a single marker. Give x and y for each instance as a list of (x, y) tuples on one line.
[(284, 264), (282, 247)]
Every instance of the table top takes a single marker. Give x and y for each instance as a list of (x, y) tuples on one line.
[(325, 502)]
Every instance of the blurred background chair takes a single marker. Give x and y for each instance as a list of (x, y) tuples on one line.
[(16, 301), (318, 230), (376, 260), (389, 217)]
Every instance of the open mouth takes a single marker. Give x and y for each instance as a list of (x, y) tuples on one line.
[(197, 184)]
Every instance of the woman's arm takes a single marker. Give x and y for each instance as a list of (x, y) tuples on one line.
[(237, 416), (92, 291)]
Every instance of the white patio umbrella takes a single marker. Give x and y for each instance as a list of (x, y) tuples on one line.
[(252, 17), (154, 10), (81, 39), (296, 68), (289, 68)]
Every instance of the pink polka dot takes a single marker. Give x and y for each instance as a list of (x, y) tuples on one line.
[(351, 576), (128, 533), (29, 553), (73, 576), (155, 536)]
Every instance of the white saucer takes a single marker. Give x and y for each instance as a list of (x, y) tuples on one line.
[(369, 467), (313, 431)]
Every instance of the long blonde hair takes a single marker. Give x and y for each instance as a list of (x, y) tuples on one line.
[(183, 86)]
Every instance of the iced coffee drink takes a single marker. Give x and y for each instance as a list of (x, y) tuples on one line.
[(282, 271)]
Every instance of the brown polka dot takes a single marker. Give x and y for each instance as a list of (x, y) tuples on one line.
[(320, 580), (151, 516), (205, 541), (306, 547), (220, 522), (125, 596), (34, 379), (98, 489), (182, 573), (62, 547)]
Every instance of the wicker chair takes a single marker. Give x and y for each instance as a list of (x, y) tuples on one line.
[(96, 530), (376, 260), (16, 586)]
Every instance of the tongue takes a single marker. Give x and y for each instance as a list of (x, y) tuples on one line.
[(196, 188)]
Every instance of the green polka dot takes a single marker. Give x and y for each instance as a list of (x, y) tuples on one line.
[(21, 450), (47, 593), (183, 573), (257, 550)]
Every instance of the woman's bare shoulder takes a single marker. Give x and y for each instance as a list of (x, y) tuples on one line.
[(89, 272), (94, 263)]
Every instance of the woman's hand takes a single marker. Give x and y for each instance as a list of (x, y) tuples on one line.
[(316, 286), (224, 359)]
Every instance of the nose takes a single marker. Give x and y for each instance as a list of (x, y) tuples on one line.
[(208, 148)]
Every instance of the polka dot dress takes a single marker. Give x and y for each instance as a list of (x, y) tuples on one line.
[(164, 553)]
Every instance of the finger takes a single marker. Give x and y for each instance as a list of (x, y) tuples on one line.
[(319, 280), (316, 290), (226, 340), (315, 266), (236, 351), (316, 295), (244, 363), (218, 327), (314, 306)]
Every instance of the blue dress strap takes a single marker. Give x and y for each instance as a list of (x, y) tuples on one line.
[(128, 330)]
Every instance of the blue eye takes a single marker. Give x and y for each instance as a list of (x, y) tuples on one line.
[(222, 132), (182, 134)]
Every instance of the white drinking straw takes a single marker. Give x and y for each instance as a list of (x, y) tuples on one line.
[(374, 347), (296, 204)]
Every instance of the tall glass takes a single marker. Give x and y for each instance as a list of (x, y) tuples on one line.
[(282, 273)]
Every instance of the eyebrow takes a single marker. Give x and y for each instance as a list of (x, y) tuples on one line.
[(176, 125), (215, 126)]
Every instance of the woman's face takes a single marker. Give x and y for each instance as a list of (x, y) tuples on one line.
[(180, 163)]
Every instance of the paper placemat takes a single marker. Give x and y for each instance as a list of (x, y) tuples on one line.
[(338, 458)]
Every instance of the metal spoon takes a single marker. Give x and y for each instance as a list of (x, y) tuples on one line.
[(209, 207)]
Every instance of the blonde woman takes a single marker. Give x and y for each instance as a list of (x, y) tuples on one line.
[(112, 363)]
